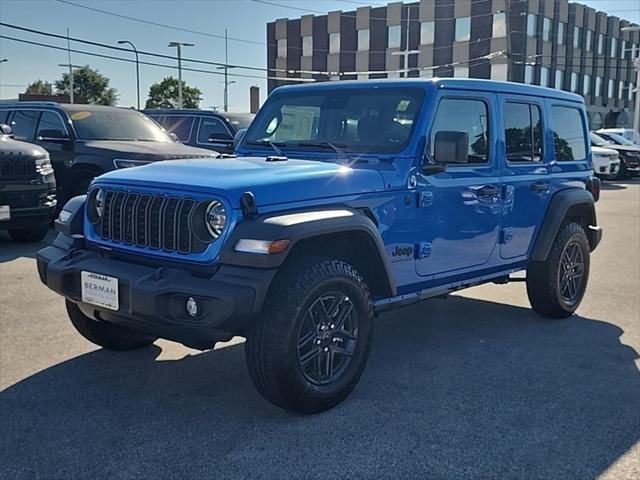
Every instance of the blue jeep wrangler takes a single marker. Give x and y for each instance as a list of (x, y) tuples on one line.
[(346, 199)]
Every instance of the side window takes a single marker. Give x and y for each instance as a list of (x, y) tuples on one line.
[(469, 116), (180, 125), (4, 114), (522, 132), (568, 133), (24, 123), (51, 126), (212, 128)]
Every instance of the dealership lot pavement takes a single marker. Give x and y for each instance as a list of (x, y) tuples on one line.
[(476, 386)]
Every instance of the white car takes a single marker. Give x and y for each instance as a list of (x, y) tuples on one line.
[(605, 162), (627, 133)]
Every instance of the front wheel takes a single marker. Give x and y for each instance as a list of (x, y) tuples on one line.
[(307, 352), (556, 286)]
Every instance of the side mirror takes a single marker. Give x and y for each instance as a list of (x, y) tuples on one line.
[(451, 147), (238, 137), (53, 136), (6, 130)]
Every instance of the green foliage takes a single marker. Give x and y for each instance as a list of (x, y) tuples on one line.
[(39, 87), (90, 85), (165, 95)]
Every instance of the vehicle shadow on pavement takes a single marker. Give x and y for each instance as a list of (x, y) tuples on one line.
[(10, 250), (456, 388)]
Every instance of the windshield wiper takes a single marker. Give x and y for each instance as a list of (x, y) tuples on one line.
[(267, 143), (336, 147)]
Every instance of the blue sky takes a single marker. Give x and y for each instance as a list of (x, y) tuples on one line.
[(244, 19)]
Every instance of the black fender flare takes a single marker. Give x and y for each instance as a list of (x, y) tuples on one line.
[(555, 216), (298, 225)]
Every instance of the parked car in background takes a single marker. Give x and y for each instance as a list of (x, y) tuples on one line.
[(27, 189), (617, 139), (628, 133), (606, 163), (85, 141), (629, 155), (202, 128)]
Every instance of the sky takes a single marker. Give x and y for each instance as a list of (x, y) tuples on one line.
[(245, 21)]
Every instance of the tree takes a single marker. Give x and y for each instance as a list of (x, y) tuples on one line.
[(90, 85), (39, 87), (165, 95)]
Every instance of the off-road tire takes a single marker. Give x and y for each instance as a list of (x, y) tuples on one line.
[(105, 334), (272, 349), (543, 278), (29, 235)]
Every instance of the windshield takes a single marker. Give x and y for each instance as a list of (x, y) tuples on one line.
[(369, 120), (598, 141), (117, 124), (619, 139)]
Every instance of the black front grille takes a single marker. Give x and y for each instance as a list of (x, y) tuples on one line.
[(158, 222), (21, 199), (17, 168)]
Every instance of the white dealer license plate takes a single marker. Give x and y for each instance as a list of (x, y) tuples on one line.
[(5, 213), (100, 290)]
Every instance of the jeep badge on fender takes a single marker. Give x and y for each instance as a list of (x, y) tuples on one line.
[(346, 199)]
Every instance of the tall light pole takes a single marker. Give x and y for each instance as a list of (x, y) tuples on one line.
[(135, 50), (179, 46), (636, 111)]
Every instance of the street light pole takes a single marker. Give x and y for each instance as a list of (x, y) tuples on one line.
[(135, 50), (179, 46), (636, 111)]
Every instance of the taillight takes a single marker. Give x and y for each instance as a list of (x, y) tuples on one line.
[(593, 185)]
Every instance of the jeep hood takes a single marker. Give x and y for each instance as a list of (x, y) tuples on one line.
[(271, 182)]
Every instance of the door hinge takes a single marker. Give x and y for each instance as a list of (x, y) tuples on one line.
[(423, 250), (506, 235), (425, 199)]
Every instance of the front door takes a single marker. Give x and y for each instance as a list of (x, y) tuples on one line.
[(459, 209), (525, 174)]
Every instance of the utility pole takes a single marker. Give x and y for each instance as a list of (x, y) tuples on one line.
[(636, 111), (70, 67), (226, 72), (179, 46), (406, 52), (135, 50)]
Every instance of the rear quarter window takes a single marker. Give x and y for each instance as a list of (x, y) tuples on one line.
[(569, 136)]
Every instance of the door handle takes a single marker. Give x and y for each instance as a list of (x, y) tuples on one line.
[(489, 191), (540, 187)]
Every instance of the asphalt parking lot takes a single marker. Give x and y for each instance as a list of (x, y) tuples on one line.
[(476, 386)]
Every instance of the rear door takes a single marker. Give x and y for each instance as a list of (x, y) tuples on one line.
[(524, 171), (52, 128)]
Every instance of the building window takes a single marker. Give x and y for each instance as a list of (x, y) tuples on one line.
[(499, 25), (546, 29), (568, 133), (544, 77), (427, 33), (560, 37), (499, 71), (574, 82), (598, 92), (531, 25), (307, 46), (630, 92), (586, 85), (363, 40), (559, 79), (282, 48), (393, 36), (623, 49), (463, 29), (334, 42), (634, 53), (620, 90), (528, 74), (587, 41), (461, 72), (577, 33), (614, 46), (600, 44), (611, 89)]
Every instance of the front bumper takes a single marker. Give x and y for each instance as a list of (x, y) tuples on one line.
[(153, 300), (30, 207)]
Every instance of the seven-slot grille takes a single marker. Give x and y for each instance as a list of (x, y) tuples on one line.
[(17, 168), (159, 222)]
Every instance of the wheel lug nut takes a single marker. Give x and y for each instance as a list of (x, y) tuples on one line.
[(332, 326), (318, 341), (326, 349), (322, 327)]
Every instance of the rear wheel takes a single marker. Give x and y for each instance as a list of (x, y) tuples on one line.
[(105, 334), (28, 235), (556, 286), (307, 352)]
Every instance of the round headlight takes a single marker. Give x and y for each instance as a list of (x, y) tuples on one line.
[(95, 204), (216, 218), (99, 202)]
